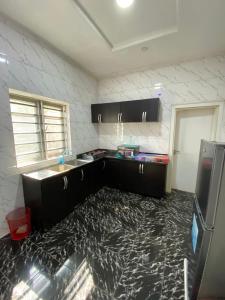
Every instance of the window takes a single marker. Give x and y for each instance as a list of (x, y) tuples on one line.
[(40, 128)]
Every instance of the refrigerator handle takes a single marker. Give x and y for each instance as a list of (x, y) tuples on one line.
[(205, 227), (186, 296)]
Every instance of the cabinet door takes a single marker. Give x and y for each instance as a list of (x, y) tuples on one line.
[(153, 179), (112, 172), (110, 112), (54, 199), (131, 111), (130, 176), (75, 188), (98, 174), (151, 108), (96, 112)]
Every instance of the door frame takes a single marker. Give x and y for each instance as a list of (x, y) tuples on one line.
[(218, 116)]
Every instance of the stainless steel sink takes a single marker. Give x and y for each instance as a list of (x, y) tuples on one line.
[(56, 169), (61, 168)]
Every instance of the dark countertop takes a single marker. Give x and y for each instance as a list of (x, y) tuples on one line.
[(155, 158), (79, 162)]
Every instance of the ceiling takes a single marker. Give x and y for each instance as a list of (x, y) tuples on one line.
[(108, 40)]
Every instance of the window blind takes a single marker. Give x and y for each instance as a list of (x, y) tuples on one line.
[(40, 129)]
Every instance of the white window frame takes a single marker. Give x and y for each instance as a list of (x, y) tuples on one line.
[(46, 162)]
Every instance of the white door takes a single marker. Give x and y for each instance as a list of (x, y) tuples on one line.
[(192, 125)]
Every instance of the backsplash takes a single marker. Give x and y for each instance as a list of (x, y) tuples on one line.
[(28, 64), (197, 81)]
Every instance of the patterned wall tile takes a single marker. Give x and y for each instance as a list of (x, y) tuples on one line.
[(191, 82), (34, 67)]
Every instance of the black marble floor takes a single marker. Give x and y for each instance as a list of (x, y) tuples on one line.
[(116, 245)]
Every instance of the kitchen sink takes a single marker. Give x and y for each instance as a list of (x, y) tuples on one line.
[(61, 168)]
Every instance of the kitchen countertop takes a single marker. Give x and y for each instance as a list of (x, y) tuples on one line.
[(79, 162), (47, 172), (140, 157)]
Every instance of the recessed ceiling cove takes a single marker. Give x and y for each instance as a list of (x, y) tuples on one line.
[(126, 27)]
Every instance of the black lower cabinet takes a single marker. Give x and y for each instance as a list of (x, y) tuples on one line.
[(76, 187), (97, 175), (153, 179), (130, 176), (53, 198), (138, 177), (112, 172), (49, 199)]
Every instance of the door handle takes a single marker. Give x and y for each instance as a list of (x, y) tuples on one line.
[(67, 182), (142, 169), (120, 117), (103, 168), (82, 174), (143, 116), (100, 118), (175, 151), (139, 168)]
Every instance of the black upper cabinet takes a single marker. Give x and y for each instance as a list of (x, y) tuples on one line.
[(96, 112), (146, 110), (131, 111), (150, 109), (111, 112), (105, 113)]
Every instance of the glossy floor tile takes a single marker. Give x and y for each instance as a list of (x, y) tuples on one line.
[(115, 245)]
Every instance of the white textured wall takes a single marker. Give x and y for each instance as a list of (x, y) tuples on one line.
[(196, 81), (34, 67)]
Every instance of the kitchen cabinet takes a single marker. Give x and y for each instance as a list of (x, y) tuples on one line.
[(76, 187), (131, 111), (97, 112), (130, 176), (150, 109), (153, 179), (138, 177), (49, 199), (53, 198), (146, 110), (92, 177), (112, 172), (105, 113)]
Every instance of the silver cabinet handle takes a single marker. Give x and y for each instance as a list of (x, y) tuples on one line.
[(64, 180), (143, 116), (186, 296), (142, 169), (103, 168), (99, 118), (120, 117), (139, 168), (82, 174), (67, 182)]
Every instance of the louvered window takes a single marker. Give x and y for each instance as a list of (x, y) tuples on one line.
[(40, 129)]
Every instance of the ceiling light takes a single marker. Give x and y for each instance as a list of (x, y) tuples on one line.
[(124, 3)]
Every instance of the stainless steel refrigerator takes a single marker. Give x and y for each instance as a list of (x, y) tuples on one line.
[(205, 268)]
